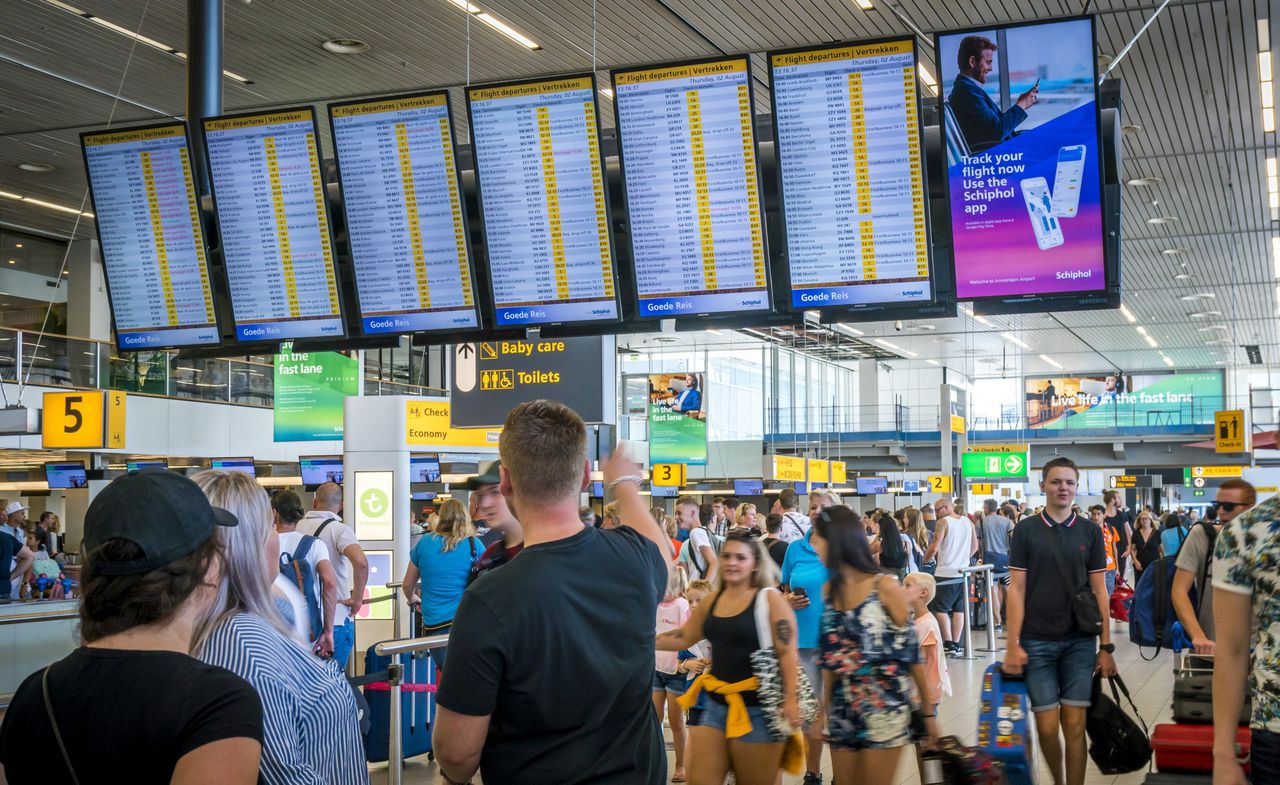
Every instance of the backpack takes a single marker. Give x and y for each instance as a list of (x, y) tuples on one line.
[(302, 574), (690, 557), (1116, 742), (1151, 616)]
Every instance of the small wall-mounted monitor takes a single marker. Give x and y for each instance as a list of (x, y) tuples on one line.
[(664, 491), (597, 490), (133, 466), (319, 469), (424, 468), (422, 496), (65, 474), (234, 464), (872, 485), (748, 487), (910, 486)]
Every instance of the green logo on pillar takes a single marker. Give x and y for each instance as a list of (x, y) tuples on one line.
[(374, 503)]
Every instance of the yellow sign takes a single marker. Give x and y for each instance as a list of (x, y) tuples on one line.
[(1229, 433), (427, 422), (669, 474), (819, 470), (788, 468), (838, 476), (1217, 471), (1124, 481), (74, 419), (982, 489), (957, 424), (939, 483), (989, 447), (498, 379), (116, 404)]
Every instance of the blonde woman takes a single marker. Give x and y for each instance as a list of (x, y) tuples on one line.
[(1144, 546), (611, 518), (438, 571), (311, 729), (917, 533), (723, 741), (746, 517)]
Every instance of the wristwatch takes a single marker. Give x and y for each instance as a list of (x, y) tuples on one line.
[(1109, 648)]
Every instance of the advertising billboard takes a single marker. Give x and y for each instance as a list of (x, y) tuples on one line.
[(1020, 111), (310, 388), (1123, 400), (677, 419)]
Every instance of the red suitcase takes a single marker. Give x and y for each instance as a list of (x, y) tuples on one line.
[(1189, 748)]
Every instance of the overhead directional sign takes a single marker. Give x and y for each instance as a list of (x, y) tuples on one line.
[(994, 464), (1215, 471), (1229, 432), (982, 489), (788, 468), (1124, 481), (492, 377), (939, 483), (84, 419)]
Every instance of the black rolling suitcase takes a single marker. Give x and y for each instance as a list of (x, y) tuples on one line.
[(1193, 691)]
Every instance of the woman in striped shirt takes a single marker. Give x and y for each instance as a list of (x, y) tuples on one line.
[(311, 730)]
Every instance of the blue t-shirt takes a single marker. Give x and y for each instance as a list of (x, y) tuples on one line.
[(801, 568), (444, 575), (1171, 540)]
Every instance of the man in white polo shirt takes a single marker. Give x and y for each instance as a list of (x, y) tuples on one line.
[(954, 544), (350, 565)]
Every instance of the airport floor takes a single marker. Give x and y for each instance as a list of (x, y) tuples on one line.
[(1151, 684)]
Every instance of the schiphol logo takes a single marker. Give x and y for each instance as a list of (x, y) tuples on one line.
[(374, 503)]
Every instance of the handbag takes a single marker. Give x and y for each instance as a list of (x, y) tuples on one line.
[(1117, 744), (961, 765), (1084, 606), (767, 669)]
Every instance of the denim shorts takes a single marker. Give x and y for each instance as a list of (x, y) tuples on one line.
[(670, 683), (1060, 672), (716, 714)]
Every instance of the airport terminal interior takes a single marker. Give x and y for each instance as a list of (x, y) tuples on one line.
[(897, 256)]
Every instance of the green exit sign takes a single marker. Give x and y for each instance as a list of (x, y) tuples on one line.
[(994, 464), (1197, 493)]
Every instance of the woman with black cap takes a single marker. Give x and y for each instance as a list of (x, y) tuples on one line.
[(131, 702)]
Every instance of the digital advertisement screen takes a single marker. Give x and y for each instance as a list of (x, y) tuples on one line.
[(1021, 121), (404, 214), (274, 224), (870, 485), (61, 476), (542, 197), (748, 487), (678, 418), (153, 248), (688, 154), (424, 468), (853, 191), (1123, 400), (234, 464), (136, 465), (321, 469)]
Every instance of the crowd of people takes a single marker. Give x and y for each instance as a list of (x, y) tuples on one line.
[(30, 549), (217, 621)]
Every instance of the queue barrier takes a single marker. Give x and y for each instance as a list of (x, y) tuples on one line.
[(394, 683), (967, 574)]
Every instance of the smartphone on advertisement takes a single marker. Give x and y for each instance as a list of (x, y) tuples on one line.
[(1035, 191), (1067, 179)]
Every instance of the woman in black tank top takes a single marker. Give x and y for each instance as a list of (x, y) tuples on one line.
[(728, 623)]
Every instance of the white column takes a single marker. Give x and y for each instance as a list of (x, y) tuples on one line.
[(869, 395), (88, 308)]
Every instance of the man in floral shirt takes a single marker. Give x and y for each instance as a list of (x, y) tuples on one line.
[(1246, 583)]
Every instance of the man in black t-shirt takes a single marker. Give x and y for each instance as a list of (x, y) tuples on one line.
[(551, 657), (12, 548), (1059, 661)]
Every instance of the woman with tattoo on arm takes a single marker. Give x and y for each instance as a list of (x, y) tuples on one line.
[(733, 732), (870, 655)]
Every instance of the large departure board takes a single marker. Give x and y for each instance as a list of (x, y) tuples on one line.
[(404, 214), (542, 198), (853, 192), (688, 155), (274, 225), (153, 249)]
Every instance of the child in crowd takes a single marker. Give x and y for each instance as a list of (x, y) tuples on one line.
[(921, 588), (669, 681), (697, 658)]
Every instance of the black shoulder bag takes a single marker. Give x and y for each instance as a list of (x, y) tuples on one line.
[(1084, 606)]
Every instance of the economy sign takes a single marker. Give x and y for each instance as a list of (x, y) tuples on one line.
[(309, 390), (994, 464)]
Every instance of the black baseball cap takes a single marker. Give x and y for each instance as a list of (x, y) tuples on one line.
[(162, 512), (490, 476)]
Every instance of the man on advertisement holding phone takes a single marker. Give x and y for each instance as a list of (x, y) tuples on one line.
[(981, 120)]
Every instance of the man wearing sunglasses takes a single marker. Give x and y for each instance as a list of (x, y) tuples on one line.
[(1194, 563)]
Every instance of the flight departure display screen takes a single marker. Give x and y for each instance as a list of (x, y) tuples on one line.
[(853, 191), (404, 214), (542, 196), (153, 248), (274, 224), (693, 195)]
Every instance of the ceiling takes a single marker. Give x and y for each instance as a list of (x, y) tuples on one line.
[(1191, 89)]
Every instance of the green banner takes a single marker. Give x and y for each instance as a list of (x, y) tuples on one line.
[(309, 390), (677, 419)]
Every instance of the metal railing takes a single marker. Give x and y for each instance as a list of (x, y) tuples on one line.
[(395, 678), (987, 573)]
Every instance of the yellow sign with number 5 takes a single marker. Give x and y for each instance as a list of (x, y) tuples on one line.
[(73, 419)]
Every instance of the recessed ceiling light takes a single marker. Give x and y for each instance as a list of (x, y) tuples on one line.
[(1126, 313), (1163, 219), (1204, 314), (927, 328), (1130, 128), (13, 261), (1144, 182), (345, 46), (17, 245), (1183, 277), (36, 166), (1218, 342), (1198, 296), (1175, 251), (1212, 327)]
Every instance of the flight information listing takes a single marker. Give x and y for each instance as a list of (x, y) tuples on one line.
[(537, 152), (404, 214), (153, 248), (689, 162), (852, 177), (270, 200)]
